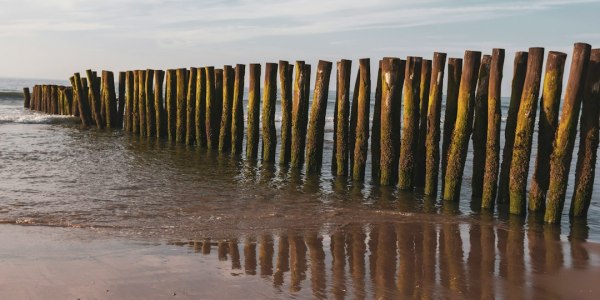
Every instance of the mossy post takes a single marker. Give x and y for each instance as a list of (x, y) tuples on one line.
[(253, 112), (494, 117), (410, 123), (454, 74), (425, 83), (361, 145), (135, 114), (305, 108), (341, 114), (352, 125), (375, 128), (142, 102), (127, 114), (316, 129), (518, 80), (588, 143), (84, 108), (161, 114), (218, 105), (171, 103), (190, 108), (226, 114), (519, 168), (27, 97), (298, 132), (150, 109), (94, 99), (480, 122), (122, 99), (457, 151), (550, 102), (200, 116), (269, 133), (434, 110), (237, 118), (181, 123), (560, 160), (109, 98), (285, 80), (392, 77)]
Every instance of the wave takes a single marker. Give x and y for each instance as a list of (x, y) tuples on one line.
[(11, 95), (35, 118)]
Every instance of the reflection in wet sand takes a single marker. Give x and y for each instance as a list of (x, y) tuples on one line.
[(478, 260)]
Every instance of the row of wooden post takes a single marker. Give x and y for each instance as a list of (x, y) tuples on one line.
[(50, 99), (204, 107)]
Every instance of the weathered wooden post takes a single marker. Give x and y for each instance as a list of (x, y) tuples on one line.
[(375, 128), (519, 72), (217, 108), (27, 98), (585, 171), (392, 77), (161, 115), (227, 111), (425, 82), (190, 108), (109, 98), (352, 125), (519, 168), (94, 99), (84, 108), (253, 112), (285, 79), (122, 99), (410, 123), (181, 113), (339, 162), (212, 132), (550, 102), (361, 144), (480, 122), (171, 103), (128, 114), (142, 102), (269, 133), (316, 130), (150, 109), (454, 74), (560, 161), (200, 117), (494, 117), (298, 131), (432, 142), (237, 118), (457, 151)]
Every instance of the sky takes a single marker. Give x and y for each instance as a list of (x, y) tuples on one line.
[(54, 38)]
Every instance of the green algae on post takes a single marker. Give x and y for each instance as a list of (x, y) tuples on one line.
[(432, 142), (200, 114), (142, 102), (392, 76), (560, 160), (588, 145), (316, 130), (237, 119), (190, 107), (457, 151), (136, 103), (84, 108), (362, 120), (226, 114), (480, 122), (150, 110), (298, 128), (375, 128), (285, 79), (253, 112), (161, 115), (548, 122), (94, 99), (419, 180), (212, 131), (171, 103), (218, 104), (181, 112), (410, 123), (269, 133), (128, 118), (494, 117), (122, 99), (109, 98), (353, 116), (454, 75), (519, 168), (339, 160)]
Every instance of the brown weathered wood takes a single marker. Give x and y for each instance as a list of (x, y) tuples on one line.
[(190, 107), (339, 161), (94, 99), (85, 113), (298, 130), (142, 102), (285, 79), (200, 107), (180, 123), (316, 130), (159, 106), (392, 77), (376, 128), (150, 109), (352, 125), (237, 118), (109, 98), (480, 122), (218, 101), (454, 74), (432, 161), (227, 111), (171, 103), (253, 112), (410, 123), (420, 170), (269, 133), (27, 98), (122, 100), (361, 145)]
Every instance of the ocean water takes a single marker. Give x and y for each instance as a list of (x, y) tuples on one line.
[(55, 174)]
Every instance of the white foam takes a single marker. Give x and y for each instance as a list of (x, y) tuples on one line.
[(27, 117)]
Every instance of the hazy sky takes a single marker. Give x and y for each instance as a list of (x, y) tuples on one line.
[(54, 38)]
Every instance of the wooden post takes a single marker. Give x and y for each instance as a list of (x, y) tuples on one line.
[(269, 133), (84, 108), (149, 101), (75, 102), (588, 143), (519, 72), (285, 79), (298, 132), (55, 104), (519, 168), (419, 180), (181, 114), (161, 115), (200, 107), (122, 99), (362, 120), (548, 122), (339, 161), (136, 103), (212, 132), (190, 108), (392, 77), (376, 128), (142, 102), (218, 104), (70, 99), (560, 161), (226, 115), (316, 130), (352, 125), (27, 98), (494, 117), (457, 151), (94, 99), (237, 118), (454, 74), (410, 123), (109, 98), (480, 122), (432, 148), (253, 112), (171, 103)]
